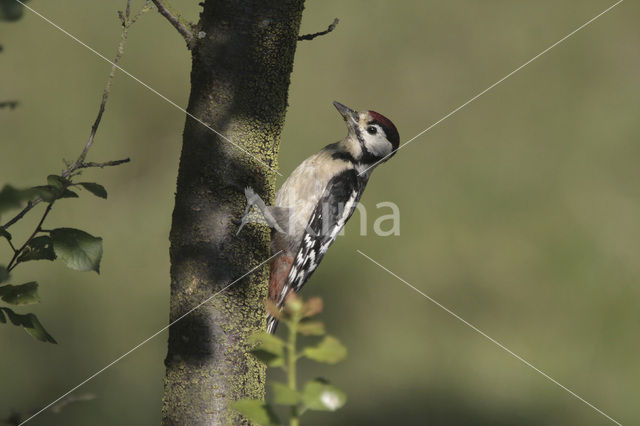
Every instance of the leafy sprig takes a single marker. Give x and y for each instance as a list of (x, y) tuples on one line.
[(77, 249), (316, 394)]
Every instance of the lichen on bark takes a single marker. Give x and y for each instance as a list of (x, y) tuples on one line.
[(240, 78)]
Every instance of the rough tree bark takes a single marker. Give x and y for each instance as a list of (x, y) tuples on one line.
[(242, 55)]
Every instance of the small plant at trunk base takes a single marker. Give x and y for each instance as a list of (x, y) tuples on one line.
[(317, 394)]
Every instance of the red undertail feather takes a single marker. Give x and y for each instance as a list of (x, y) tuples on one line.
[(280, 267)]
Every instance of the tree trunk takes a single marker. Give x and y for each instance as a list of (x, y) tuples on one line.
[(242, 61)]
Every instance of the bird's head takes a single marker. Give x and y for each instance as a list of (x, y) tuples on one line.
[(372, 137)]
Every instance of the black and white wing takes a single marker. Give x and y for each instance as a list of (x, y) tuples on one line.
[(336, 205)]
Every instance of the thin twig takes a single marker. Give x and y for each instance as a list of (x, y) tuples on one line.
[(127, 21), (11, 245), (175, 20), (105, 164), (32, 203), (321, 33), (105, 97), (17, 253), (29, 206)]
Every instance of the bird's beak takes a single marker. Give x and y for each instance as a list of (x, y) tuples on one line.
[(350, 116)]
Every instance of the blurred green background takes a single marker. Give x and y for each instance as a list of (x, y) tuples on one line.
[(521, 212)]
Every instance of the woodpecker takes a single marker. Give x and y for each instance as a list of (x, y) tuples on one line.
[(318, 198)]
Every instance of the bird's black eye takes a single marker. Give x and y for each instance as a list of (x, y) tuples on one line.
[(372, 130)]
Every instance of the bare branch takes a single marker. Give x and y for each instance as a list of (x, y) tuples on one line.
[(321, 33), (105, 164), (12, 264), (175, 20), (105, 97), (80, 163), (10, 243), (127, 21), (31, 204)]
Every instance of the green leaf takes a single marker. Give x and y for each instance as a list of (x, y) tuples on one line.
[(4, 274), (24, 294), (292, 304), (269, 348), (268, 342), (318, 394), (257, 411), (58, 182), (57, 187), (4, 233), (311, 328), (283, 395), (95, 188), (329, 351), (40, 248), (48, 193), (77, 249), (67, 193), (29, 322), (268, 358)]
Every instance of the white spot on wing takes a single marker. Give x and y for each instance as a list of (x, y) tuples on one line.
[(348, 207)]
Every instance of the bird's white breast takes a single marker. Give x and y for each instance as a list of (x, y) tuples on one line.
[(301, 192)]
